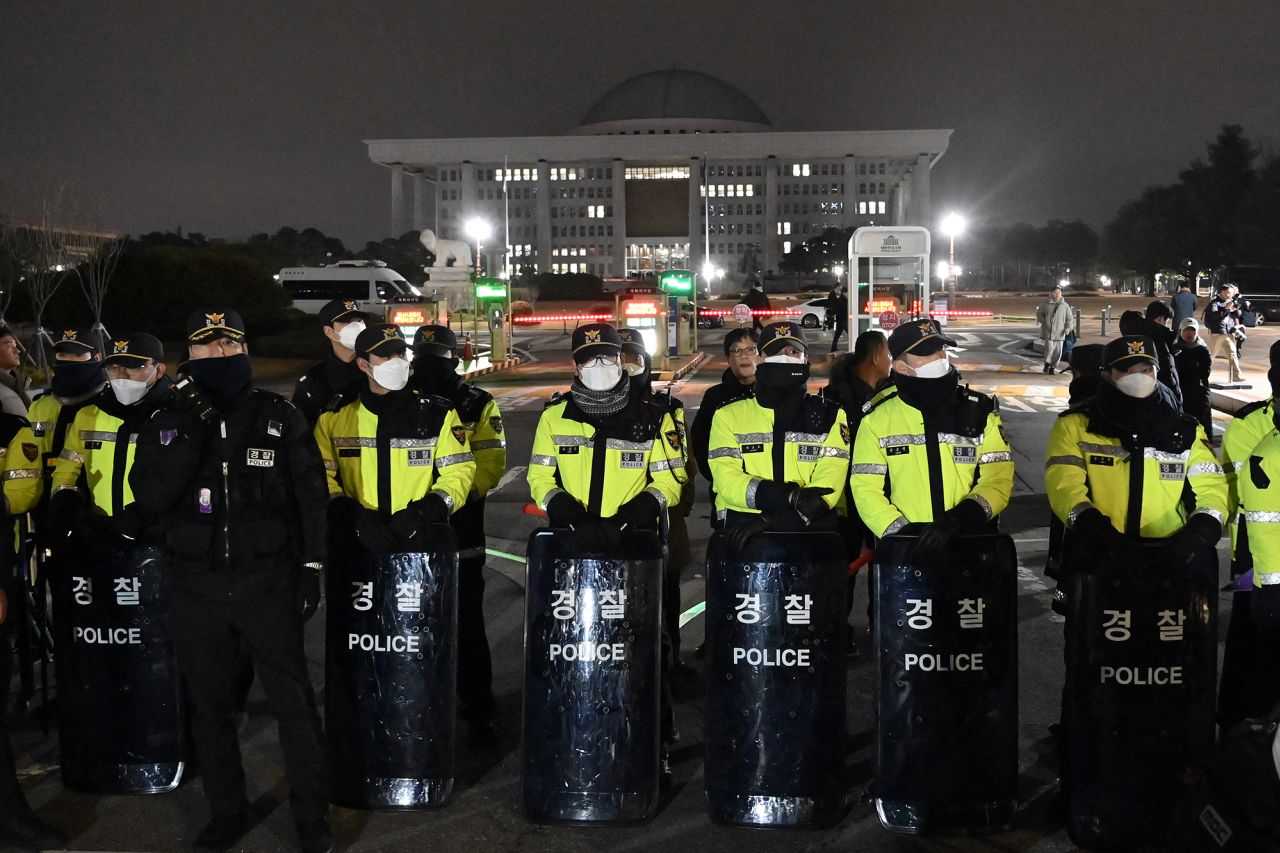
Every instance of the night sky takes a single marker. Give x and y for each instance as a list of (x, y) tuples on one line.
[(235, 117)]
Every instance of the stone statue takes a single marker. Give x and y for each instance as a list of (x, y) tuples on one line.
[(445, 250)]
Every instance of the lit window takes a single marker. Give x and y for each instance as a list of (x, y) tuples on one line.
[(786, 228), (862, 208), (881, 205), (786, 247)]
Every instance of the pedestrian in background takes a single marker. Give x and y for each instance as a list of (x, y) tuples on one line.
[(838, 308), (1220, 320), (1191, 355), (1184, 303), (1055, 322), (758, 302)]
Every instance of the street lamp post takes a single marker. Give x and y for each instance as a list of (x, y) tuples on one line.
[(478, 230), (952, 225)]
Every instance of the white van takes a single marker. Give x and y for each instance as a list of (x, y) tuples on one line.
[(371, 284)]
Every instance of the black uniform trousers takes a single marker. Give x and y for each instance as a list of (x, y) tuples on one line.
[(475, 664), (1250, 683), (208, 638), (11, 798)]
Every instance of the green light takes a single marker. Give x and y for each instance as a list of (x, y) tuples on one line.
[(677, 282), (491, 288)]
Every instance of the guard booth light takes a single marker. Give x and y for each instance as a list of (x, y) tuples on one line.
[(676, 282), (491, 288)]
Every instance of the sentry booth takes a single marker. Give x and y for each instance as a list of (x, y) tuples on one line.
[(895, 284)]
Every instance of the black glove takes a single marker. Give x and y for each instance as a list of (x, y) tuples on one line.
[(737, 535), (1197, 537), (563, 510), (187, 397), (431, 508), (810, 503), (640, 513), (1096, 531), (375, 534), (1264, 609), (128, 523), (941, 535), (774, 497), (308, 592), (63, 517), (343, 512), (597, 535)]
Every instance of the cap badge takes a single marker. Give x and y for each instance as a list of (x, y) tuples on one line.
[(428, 334), (925, 326), (784, 331), (121, 346), (213, 319), (592, 335), (69, 335), (1135, 347), (390, 334), (349, 305)]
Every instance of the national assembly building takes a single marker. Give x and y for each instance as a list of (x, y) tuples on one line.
[(669, 169)]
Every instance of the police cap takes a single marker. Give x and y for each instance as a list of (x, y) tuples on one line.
[(777, 335), (1125, 352), (134, 349), (78, 341), (594, 339), (341, 311), (1087, 358), (381, 339), (632, 342), (434, 339), (918, 337), (209, 324)]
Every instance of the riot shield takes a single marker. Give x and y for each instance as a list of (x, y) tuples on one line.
[(121, 722), (591, 684), (390, 675), (1138, 709), (946, 686), (776, 680)]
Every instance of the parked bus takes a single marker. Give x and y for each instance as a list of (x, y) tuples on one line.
[(370, 284)]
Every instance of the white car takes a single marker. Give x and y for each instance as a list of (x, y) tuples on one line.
[(812, 313)]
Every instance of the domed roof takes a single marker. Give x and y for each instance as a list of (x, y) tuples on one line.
[(675, 94)]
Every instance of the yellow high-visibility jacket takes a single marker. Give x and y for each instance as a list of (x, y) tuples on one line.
[(1259, 488), (1250, 425), (642, 453), (890, 476), (740, 451), (1086, 469), (387, 462)]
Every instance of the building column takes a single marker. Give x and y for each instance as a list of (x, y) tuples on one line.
[(397, 199), (618, 247), (697, 236), (772, 246), (544, 216), (420, 201), (470, 205), (918, 202), (849, 209)]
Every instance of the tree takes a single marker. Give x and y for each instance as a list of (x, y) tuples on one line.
[(95, 273)]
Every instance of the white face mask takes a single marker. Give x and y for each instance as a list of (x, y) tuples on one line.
[(1137, 385), (600, 377), (351, 331), (392, 374), (634, 369), (784, 359), (934, 369), (129, 391)]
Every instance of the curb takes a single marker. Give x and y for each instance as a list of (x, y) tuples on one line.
[(1228, 402), (693, 363), (505, 364)]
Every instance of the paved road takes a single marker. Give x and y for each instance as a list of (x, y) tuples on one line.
[(484, 813)]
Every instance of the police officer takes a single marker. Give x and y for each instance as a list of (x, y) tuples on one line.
[(638, 364), (77, 379), (778, 459), (93, 466), (1093, 446), (1250, 668), (928, 451), (22, 484), (1248, 674), (435, 373), (334, 381), (605, 460), (234, 475)]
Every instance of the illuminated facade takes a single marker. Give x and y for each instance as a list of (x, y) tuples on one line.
[(668, 169)]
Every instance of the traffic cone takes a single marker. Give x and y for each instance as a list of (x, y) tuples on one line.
[(468, 350)]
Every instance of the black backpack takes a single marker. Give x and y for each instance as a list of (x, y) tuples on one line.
[(1235, 805)]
